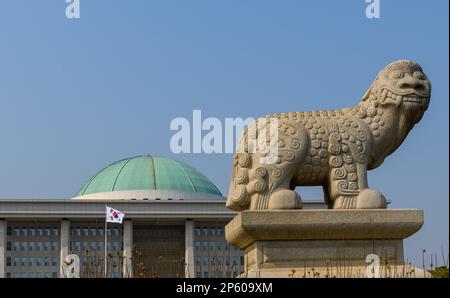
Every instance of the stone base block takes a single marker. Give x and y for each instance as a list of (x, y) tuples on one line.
[(325, 243)]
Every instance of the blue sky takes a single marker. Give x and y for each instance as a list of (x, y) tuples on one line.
[(77, 95)]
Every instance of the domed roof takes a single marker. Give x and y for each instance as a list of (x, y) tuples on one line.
[(148, 173)]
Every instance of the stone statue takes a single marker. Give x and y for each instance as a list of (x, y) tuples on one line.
[(332, 148)]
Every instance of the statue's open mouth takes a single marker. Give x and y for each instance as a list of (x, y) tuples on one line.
[(413, 97)]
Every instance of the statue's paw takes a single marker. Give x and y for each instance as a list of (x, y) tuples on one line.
[(345, 202), (370, 198), (285, 199)]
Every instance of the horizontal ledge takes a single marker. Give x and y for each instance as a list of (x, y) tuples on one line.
[(69, 215), (250, 226)]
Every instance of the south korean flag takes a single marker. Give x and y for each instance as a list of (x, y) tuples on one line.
[(113, 215)]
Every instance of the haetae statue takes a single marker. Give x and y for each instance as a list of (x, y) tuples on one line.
[(331, 148)]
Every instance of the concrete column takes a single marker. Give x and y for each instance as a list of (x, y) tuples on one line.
[(189, 249), (2, 248), (64, 245), (127, 248)]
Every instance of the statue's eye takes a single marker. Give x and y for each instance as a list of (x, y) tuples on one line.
[(396, 74), (419, 75)]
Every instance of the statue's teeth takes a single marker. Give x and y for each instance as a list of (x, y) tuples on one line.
[(399, 97), (383, 94)]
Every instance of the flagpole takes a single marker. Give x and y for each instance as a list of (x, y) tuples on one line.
[(106, 236)]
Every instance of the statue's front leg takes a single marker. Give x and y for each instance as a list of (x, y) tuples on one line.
[(349, 189)]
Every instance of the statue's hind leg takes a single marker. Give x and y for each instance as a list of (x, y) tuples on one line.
[(273, 168), (349, 190)]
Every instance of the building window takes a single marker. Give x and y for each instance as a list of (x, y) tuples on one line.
[(16, 231), (40, 232), (9, 231), (23, 231), (32, 231), (8, 261), (219, 232), (205, 246), (93, 232), (197, 245), (85, 232), (54, 231), (205, 232), (212, 231), (197, 232), (235, 260), (8, 246), (211, 246)]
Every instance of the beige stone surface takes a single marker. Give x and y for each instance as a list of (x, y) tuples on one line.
[(329, 148), (329, 224), (338, 270), (324, 243)]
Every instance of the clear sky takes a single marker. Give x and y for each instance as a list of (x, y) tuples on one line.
[(77, 95)]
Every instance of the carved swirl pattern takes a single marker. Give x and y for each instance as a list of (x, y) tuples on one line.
[(242, 177), (244, 160), (239, 195), (259, 185), (261, 172), (343, 144)]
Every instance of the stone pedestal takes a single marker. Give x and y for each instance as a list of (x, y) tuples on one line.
[(325, 243)]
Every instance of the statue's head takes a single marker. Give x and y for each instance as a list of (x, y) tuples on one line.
[(403, 86)]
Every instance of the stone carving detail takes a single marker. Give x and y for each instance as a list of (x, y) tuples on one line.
[(332, 148)]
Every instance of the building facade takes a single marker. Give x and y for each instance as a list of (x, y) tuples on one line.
[(174, 226)]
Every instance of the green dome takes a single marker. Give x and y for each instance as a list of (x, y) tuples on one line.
[(148, 172)]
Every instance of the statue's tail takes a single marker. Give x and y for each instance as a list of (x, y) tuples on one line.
[(238, 197)]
